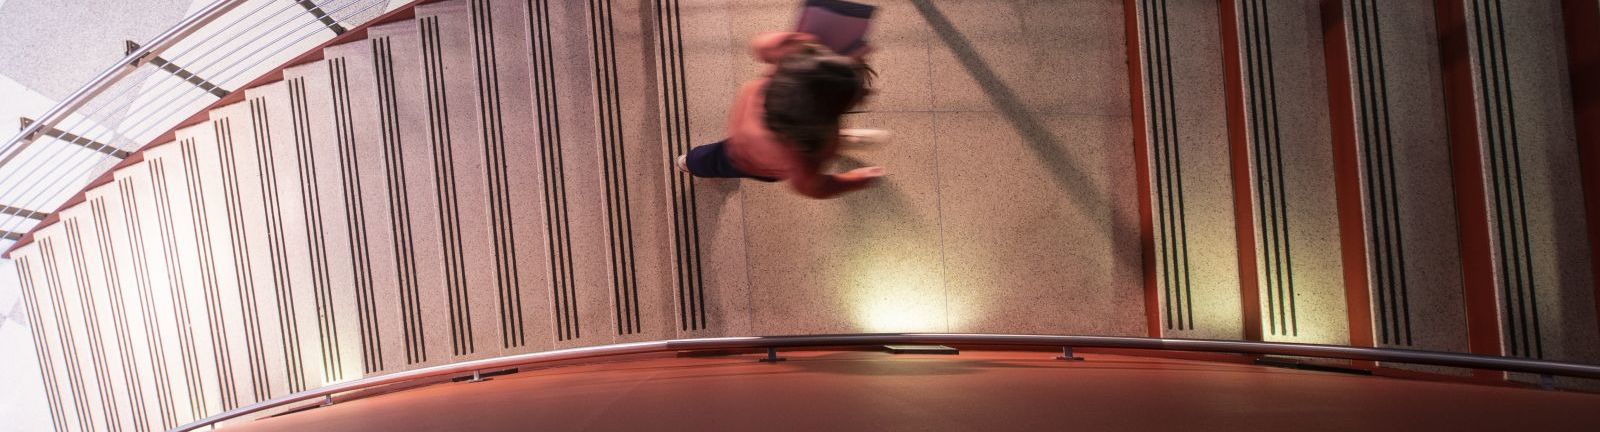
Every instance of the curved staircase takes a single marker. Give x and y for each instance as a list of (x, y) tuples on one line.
[(467, 179)]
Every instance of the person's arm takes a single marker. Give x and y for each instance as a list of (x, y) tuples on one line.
[(741, 105), (824, 186), (769, 47)]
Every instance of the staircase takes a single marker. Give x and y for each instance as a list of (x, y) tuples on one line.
[(467, 179)]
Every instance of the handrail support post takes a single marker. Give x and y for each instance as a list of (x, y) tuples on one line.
[(74, 139), (772, 356), (1066, 354), (476, 376), (178, 71), (1547, 381), (327, 400), (327, 20)]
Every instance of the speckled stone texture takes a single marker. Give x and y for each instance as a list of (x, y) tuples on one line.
[(216, 247), (138, 346), (174, 282), (580, 152), (373, 215), (456, 98), (186, 278), (329, 224), (256, 279), (151, 270), (400, 41), (1553, 223), (524, 224), (1409, 124), (639, 169), (999, 132), (868, 261), (65, 288), (1191, 74), (294, 266), (99, 301), (1306, 250), (47, 337), (712, 75)]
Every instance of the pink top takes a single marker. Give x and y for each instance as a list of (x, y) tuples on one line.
[(758, 151)]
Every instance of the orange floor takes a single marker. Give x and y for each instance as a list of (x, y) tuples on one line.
[(822, 391)]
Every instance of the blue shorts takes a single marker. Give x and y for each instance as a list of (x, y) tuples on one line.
[(711, 161)]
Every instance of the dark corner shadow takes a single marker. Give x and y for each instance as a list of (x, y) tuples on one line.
[(1045, 145)]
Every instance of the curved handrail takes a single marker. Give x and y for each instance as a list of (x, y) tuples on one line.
[(1434, 358)]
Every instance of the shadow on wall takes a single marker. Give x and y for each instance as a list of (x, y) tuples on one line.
[(1572, 273), (1044, 144)]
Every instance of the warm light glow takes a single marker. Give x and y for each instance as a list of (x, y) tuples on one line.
[(1319, 307), (886, 317), (894, 295)]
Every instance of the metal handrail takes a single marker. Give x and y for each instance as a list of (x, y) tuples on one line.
[(1434, 358)]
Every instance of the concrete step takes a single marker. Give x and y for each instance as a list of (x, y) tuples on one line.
[(1398, 138)]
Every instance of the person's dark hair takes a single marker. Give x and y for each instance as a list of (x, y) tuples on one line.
[(811, 88)]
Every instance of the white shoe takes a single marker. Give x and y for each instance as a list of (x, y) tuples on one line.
[(682, 162), (864, 137)]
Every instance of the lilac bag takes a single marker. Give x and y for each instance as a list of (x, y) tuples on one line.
[(840, 25)]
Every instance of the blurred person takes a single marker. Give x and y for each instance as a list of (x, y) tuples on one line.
[(784, 125)]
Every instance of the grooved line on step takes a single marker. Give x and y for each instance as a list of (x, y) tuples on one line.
[(131, 384), (209, 288), (91, 323), (355, 216), (321, 285), (492, 132), (1505, 157), (243, 274), (676, 137), (624, 280), (399, 197), (175, 284), (444, 170), (558, 233), (1166, 149), (288, 326), (142, 279), (1267, 148), (43, 354)]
